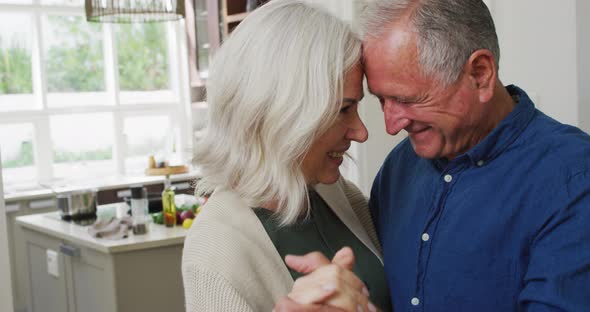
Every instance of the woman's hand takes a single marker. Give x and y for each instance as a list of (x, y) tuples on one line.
[(331, 283)]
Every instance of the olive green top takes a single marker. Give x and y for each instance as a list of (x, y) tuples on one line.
[(323, 231)]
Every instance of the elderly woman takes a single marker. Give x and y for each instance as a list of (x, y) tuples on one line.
[(283, 92)]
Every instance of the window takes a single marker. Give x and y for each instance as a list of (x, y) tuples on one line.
[(143, 54), (74, 61), (143, 134), (82, 142), (18, 152), (16, 83), (83, 100)]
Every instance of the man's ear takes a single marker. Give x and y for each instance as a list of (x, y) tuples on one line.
[(483, 74)]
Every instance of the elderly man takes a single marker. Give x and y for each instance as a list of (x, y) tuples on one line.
[(486, 206)]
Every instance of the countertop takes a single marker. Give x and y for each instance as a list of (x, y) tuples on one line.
[(106, 183), (51, 224)]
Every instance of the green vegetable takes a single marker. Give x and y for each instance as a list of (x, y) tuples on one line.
[(158, 218)]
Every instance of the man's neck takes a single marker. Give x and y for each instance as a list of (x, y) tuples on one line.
[(500, 106)]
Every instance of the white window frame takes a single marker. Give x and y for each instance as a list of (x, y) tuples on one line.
[(178, 108)]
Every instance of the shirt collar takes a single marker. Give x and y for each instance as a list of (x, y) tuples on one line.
[(506, 132)]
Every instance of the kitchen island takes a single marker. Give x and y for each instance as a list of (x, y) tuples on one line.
[(69, 270), (35, 199)]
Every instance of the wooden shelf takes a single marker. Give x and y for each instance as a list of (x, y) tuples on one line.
[(236, 17), (166, 170)]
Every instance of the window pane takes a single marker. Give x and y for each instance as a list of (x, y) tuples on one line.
[(16, 84), (16, 145), (143, 56), (73, 54), (82, 145), (145, 136)]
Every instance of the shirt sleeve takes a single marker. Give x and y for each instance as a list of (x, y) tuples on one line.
[(558, 274), (206, 291)]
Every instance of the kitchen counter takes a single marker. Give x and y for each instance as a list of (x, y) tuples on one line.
[(68, 270), (51, 224)]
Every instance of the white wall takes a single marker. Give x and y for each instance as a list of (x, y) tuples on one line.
[(583, 57), (538, 52), (6, 303)]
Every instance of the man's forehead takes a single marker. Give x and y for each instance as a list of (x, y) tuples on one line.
[(393, 44)]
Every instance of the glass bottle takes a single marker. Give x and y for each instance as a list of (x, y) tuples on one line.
[(139, 209), (168, 205)]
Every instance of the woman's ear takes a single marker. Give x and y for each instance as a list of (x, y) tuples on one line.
[(483, 73)]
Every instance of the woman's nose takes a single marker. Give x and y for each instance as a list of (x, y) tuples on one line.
[(357, 131)]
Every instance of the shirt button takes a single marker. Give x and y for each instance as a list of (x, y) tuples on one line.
[(415, 301), (480, 163), (448, 178), (425, 237)]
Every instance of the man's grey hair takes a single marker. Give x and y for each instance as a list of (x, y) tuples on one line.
[(448, 31), (274, 86)]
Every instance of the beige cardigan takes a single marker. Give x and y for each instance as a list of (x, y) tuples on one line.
[(230, 264)]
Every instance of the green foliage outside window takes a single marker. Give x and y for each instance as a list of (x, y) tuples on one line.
[(142, 54), (67, 156), (25, 157), (75, 63), (15, 69)]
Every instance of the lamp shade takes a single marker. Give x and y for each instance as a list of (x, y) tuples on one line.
[(131, 11)]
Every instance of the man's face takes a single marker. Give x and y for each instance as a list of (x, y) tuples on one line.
[(441, 121)]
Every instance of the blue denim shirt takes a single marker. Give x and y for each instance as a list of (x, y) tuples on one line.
[(503, 227)]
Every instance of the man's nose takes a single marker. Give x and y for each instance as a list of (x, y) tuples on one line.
[(395, 117)]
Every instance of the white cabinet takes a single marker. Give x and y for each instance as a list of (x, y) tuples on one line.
[(47, 293), (88, 276), (88, 280), (6, 297), (16, 246)]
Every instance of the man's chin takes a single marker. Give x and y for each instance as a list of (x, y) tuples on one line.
[(425, 151)]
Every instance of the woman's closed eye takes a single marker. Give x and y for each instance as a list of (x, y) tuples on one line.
[(348, 105)]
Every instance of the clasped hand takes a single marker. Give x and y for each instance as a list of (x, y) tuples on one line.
[(328, 286)]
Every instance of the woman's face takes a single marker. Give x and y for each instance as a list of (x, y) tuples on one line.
[(322, 162)]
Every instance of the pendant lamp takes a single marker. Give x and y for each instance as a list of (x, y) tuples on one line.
[(134, 11)]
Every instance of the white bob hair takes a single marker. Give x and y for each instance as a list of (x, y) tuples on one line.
[(275, 85)]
